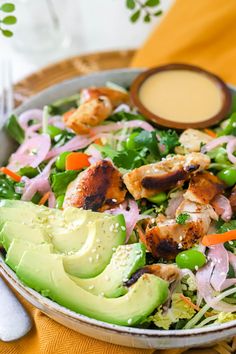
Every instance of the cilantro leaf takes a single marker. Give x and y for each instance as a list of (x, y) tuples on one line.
[(182, 218), (14, 129), (61, 180), (122, 159), (227, 226), (147, 140), (169, 139), (116, 117)]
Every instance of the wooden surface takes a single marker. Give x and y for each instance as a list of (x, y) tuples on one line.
[(82, 65)]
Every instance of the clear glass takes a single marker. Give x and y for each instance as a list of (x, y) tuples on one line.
[(40, 28)]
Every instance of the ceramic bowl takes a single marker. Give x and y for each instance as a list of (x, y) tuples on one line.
[(126, 336)]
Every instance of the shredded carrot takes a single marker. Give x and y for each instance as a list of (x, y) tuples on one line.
[(189, 302), (195, 307), (77, 161), (11, 174), (44, 198), (67, 115), (210, 132), (98, 142), (214, 239)]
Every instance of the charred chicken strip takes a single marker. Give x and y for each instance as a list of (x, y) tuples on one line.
[(168, 272), (148, 180), (203, 187), (100, 187), (167, 238), (96, 105)]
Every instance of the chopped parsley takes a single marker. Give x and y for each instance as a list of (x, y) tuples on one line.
[(182, 218)]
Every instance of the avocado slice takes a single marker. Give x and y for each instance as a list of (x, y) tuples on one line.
[(11, 230), (68, 229), (45, 273), (104, 236), (18, 247), (125, 261)]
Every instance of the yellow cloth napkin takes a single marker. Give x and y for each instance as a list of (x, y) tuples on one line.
[(200, 32)]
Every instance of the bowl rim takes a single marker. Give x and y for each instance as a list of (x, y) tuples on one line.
[(10, 275)]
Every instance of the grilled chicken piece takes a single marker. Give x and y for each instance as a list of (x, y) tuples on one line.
[(96, 105), (168, 272), (89, 114), (166, 239), (100, 187), (146, 181), (232, 199), (116, 97), (192, 139), (203, 187)]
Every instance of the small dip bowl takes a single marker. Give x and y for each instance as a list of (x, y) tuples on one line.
[(181, 96)]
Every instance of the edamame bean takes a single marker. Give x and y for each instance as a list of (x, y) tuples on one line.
[(61, 161), (228, 176), (158, 198), (190, 259)]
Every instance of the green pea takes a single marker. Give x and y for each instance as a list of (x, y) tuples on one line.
[(158, 198), (130, 143), (60, 201), (61, 161), (191, 259), (53, 131), (221, 156), (228, 176)]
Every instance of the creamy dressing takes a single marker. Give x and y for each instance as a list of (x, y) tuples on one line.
[(181, 96)]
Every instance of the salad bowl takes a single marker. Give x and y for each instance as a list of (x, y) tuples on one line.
[(126, 336)]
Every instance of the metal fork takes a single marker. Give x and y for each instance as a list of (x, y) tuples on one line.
[(6, 91)]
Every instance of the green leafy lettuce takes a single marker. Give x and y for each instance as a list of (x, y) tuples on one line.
[(169, 139), (61, 180), (178, 310), (14, 129)]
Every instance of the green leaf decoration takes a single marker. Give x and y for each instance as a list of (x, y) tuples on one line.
[(8, 7), (152, 3), (7, 33), (130, 4), (158, 13), (9, 20), (134, 18), (147, 18)]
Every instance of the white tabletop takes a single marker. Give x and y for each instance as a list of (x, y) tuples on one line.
[(94, 25)]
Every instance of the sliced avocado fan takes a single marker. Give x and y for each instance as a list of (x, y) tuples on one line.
[(125, 261), (45, 273)]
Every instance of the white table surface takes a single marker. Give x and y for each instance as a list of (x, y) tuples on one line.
[(96, 25)]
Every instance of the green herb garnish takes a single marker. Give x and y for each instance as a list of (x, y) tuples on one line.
[(182, 218)]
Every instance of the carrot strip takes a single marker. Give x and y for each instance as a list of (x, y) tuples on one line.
[(67, 115), (11, 174), (98, 142), (210, 132), (214, 239), (77, 161), (44, 198), (189, 302)]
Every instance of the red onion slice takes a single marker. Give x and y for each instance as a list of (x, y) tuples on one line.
[(39, 183), (94, 154), (230, 148), (120, 125), (131, 216), (220, 259), (76, 143), (216, 142), (222, 207), (32, 114), (31, 153)]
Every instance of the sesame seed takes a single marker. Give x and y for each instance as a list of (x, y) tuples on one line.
[(123, 228), (98, 240), (97, 256), (196, 267), (114, 200), (102, 294), (231, 242), (180, 245), (117, 224), (129, 321), (112, 227), (107, 278), (113, 249), (93, 250), (90, 259), (91, 287)]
